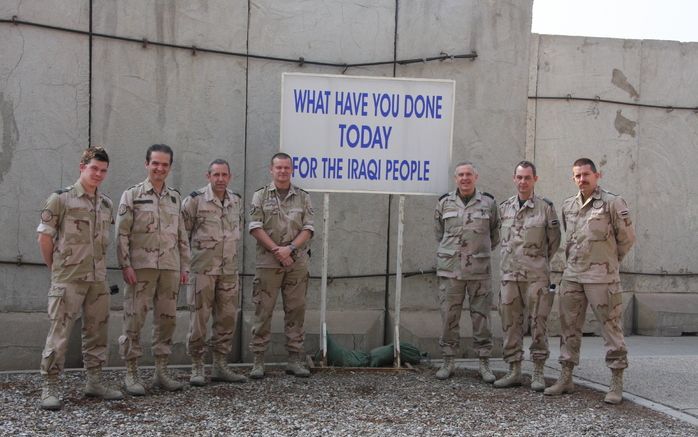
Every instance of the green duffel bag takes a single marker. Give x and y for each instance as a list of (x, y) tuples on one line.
[(341, 357), (383, 356)]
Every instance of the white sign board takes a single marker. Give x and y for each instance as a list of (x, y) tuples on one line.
[(368, 134)]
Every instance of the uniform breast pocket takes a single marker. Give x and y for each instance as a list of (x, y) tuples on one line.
[(452, 222), (77, 226), (534, 235), (169, 220), (144, 218), (599, 225), (295, 215), (478, 221)]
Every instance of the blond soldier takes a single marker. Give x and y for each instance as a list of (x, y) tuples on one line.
[(153, 252), (467, 228), (213, 217), (73, 238), (281, 220), (599, 234), (530, 237)]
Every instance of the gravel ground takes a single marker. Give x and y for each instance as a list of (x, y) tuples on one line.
[(329, 403)]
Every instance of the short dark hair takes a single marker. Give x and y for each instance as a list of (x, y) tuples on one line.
[(94, 152), (585, 161), (218, 162), (280, 155), (526, 164), (463, 163), (164, 148)]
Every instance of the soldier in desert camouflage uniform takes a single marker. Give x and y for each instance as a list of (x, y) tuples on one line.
[(530, 236), (73, 238), (153, 252), (213, 217), (281, 220), (467, 227), (599, 234)]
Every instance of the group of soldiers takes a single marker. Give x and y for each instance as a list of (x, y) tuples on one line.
[(164, 242), (599, 233)]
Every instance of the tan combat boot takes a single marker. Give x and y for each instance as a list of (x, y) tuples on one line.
[(50, 393), (615, 392), (485, 372), (295, 366), (198, 375), (221, 371), (257, 371), (446, 368), (564, 383), (511, 379), (537, 379), (132, 383), (162, 378), (95, 388)]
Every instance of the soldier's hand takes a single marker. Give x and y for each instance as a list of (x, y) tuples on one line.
[(282, 252), (129, 275), (286, 262), (183, 278)]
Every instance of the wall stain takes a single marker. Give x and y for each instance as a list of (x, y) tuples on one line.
[(618, 79), (624, 125), (10, 135)]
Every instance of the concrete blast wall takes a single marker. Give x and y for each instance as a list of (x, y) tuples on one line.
[(61, 90)]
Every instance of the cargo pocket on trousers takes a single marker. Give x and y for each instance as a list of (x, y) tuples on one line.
[(447, 260), (56, 298)]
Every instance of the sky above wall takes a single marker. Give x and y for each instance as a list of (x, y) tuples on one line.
[(628, 19)]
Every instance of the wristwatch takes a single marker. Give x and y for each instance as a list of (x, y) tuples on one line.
[(293, 247)]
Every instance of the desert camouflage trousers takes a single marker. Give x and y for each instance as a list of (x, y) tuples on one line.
[(215, 295), (156, 290), (451, 297), (606, 301), (294, 285), (515, 298), (65, 303)]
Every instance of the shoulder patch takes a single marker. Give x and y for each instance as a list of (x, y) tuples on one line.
[(106, 203), (63, 190), (484, 193), (548, 201), (194, 193), (443, 195)]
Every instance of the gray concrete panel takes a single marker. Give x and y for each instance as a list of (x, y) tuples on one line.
[(490, 123), (342, 32), (589, 67), (213, 24), (73, 14), (43, 127), (666, 314), (667, 200), (669, 73), (193, 103), (357, 222)]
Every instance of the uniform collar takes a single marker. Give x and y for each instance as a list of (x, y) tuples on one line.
[(210, 196), (149, 187), (79, 189), (529, 203), (291, 188), (595, 195)]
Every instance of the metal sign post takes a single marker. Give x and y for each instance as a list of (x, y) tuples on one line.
[(323, 284), (398, 280)]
